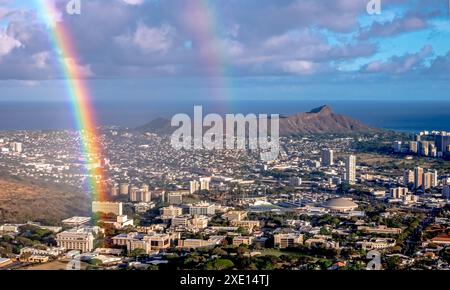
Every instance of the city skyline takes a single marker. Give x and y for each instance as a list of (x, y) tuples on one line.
[(225, 135)]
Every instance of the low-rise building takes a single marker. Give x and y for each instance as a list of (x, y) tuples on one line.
[(202, 209), (170, 212), (76, 221), (380, 230), (287, 240), (242, 240), (107, 207), (77, 239), (377, 244)]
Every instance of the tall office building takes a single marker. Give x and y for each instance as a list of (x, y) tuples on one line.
[(432, 150), (424, 148), (146, 196), (204, 183), (114, 191), (144, 187), (194, 186), (124, 187), (16, 147), (408, 178), (397, 146), (134, 191), (429, 179), (418, 177), (442, 142), (414, 147), (446, 192), (327, 157), (350, 169)]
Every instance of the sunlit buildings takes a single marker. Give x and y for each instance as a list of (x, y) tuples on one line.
[(77, 239), (350, 169), (418, 177), (288, 240), (202, 209), (107, 207), (327, 157)]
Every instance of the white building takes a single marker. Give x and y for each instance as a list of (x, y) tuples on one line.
[(202, 209), (107, 207), (350, 169), (77, 239)]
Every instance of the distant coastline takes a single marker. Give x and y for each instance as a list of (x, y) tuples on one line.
[(400, 116)]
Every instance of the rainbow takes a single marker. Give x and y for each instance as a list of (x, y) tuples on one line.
[(80, 97), (211, 51)]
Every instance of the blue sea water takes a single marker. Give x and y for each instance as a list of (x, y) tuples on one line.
[(402, 115)]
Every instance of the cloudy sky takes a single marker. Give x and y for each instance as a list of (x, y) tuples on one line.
[(256, 48)]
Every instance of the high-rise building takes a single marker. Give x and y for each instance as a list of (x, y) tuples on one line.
[(350, 169), (397, 146), (204, 183), (124, 187), (414, 147), (107, 207), (432, 151), (194, 186), (146, 196), (442, 142), (16, 147), (114, 189), (424, 148), (429, 179), (134, 191), (418, 177), (408, 178), (327, 157), (446, 192), (144, 188), (398, 192)]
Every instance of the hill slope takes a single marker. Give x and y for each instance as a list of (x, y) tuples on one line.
[(320, 120), (24, 200)]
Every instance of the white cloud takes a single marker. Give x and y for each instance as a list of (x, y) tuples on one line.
[(302, 67), (150, 39), (133, 2), (84, 71), (7, 44), (41, 59)]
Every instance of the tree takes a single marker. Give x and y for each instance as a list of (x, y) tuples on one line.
[(219, 264), (96, 262), (137, 253)]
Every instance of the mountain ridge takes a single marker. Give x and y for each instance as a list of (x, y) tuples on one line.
[(320, 120)]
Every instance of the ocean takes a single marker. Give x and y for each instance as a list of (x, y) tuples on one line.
[(411, 116)]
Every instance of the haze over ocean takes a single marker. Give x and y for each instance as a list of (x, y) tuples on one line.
[(404, 115)]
